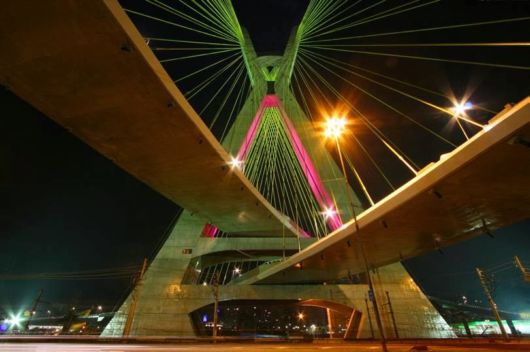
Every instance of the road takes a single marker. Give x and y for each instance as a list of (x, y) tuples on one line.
[(224, 347)]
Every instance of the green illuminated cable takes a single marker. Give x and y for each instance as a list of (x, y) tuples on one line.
[(409, 163), (385, 140), (426, 58), (272, 163), (361, 145), (322, 24), (434, 106), (377, 17), (307, 83), (242, 96), (226, 81), (419, 30), (194, 56), (202, 69), (347, 18), (177, 25), (388, 105), (194, 91), (189, 18), (240, 72)]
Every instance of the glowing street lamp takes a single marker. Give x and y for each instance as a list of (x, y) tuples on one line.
[(335, 127), (237, 271), (14, 321), (301, 316)]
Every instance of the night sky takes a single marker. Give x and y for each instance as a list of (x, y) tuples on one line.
[(67, 208)]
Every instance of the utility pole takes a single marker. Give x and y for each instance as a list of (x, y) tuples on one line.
[(389, 303), (492, 303), (134, 300), (520, 266), (369, 317), (374, 301), (33, 310), (360, 245)]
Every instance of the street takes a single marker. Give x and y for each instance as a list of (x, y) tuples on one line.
[(246, 347)]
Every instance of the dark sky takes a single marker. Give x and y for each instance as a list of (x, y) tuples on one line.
[(67, 208)]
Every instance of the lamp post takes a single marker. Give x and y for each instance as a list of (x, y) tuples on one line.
[(335, 128)]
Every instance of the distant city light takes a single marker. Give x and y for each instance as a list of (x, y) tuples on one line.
[(335, 127), (524, 315), (235, 163), (100, 308), (14, 321), (301, 316), (237, 270), (205, 283)]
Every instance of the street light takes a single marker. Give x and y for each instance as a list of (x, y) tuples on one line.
[(15, 320), (335, 128)]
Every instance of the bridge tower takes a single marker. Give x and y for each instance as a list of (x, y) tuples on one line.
[(270, 133)]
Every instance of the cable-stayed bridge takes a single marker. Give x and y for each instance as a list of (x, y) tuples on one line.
[(265, 173)]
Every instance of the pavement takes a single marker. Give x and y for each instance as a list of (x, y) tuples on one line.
[(244, 347)]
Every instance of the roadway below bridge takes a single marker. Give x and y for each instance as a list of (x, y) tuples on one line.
[(456, 345)]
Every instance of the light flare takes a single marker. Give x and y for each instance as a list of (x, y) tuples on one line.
[(235, 163), (329, 213), (460, 109), (335, 127)]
